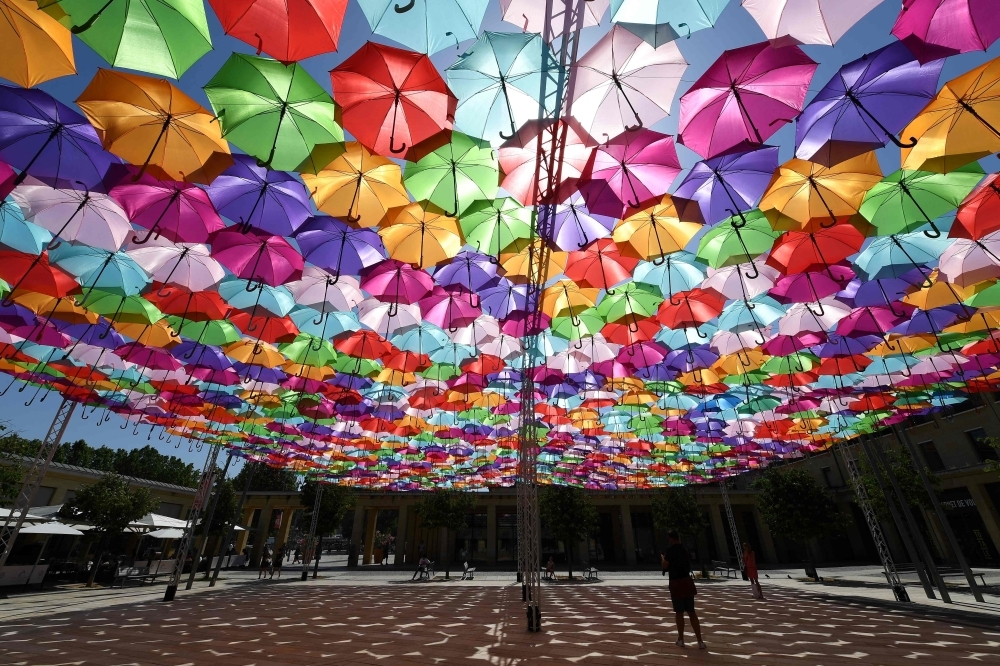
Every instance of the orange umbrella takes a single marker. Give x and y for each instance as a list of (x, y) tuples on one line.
[(358, 186), (655, 231), (151, 123), (420, 234), (34, 47)]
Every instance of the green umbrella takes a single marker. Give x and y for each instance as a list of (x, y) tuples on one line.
[(631, 300), (906, 200), (309, 350), (162, 37), (361, 367), (274, 112), (762, 404), (583, 325), (791, 364), (490, 225), (220, 332), (455, 175), (732, 242), (122, 309)]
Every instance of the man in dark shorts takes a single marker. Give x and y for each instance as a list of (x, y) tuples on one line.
[(682, 589)]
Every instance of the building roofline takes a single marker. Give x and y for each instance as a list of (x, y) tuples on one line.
[(96, 474)]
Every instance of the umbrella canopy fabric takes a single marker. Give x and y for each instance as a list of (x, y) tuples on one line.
[(530, 16), (152, 124), (662, 21), (935, 29), (272, 201), (162, 37), (288, 31), (358, 186), (628, 171), (727, 185), (807, 21), (518, 157), (744, 98), (462, 171), (34, 47), (423, 26), (51, 528)]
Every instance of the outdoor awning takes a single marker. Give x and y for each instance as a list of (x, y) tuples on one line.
[(166, 533), (51, 528)]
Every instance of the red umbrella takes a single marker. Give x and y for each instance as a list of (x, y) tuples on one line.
[(638, 330), (257, 256), (268, 329), (519, 155), (31, 273), (747, 95), (408, 362), (286, 30), (365, 344), (979, 214), (801, 251), (392, 99), (193, 305), (689, 309), (600, 265)]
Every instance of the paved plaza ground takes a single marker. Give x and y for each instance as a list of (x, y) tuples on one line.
[(378, 617)]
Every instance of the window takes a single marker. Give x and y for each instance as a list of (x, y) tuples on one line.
[(931, 456), (170, 509), (827, 477), (978, 439), (42, 496)]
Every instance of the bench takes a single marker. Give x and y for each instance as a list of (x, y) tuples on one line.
[(590, 573), (469, 573), (719, 567), (426, 572), (143, 574), (548, 575), (946, 572)]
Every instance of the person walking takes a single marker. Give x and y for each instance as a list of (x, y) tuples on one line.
[(279, 558), (265, 563), (750, 564), (682, 589)]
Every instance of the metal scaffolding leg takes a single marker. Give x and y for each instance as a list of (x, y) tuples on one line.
[(861, 494), (204, 488), (307, 552), (209, 517), (33, 477), (236, 519), (732, 524)]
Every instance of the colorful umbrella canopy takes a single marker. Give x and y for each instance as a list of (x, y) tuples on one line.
[(663, 21), (933, 29), (358, 186), (35, 47), (455, 175), (425, 27), (286, 31), (807, 21), (628, 171), (421, 234)]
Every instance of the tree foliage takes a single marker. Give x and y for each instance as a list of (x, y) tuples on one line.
[(142, 463), (445, 508), (906, 473), (676, 509), (225, 508), (334, 505), (13, 449), (793, 505), (266, 478), (568, 514), (109, 505)]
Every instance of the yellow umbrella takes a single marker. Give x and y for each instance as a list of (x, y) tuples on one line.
[(420, 234), (34, 47), (960, 125), (654, 232), (308, 371), (566, 298), (64, 309), (151, 123), (395, 377), (940, 294), (514, 259), (255, 353), (908, 344), (158, 334), (358, 186), (805, 196)]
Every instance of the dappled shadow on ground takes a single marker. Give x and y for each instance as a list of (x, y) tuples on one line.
[(461, 623)]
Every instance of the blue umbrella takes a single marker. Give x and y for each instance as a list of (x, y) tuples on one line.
[(425, 26), (497, 82), (276, 300), (657, 22), (19, 234), (730, 184), (898, 254), (95, 268)]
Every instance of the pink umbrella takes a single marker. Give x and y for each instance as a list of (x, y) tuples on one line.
[(807, 21), (744, 98), (967, 262), (257, 256), (934, 29), (188, 265), (628, 171), (530, 15), (147, 357), (449, 308), (518, 156), (808, 287), (7, 177), (181, 212), (393, 281)]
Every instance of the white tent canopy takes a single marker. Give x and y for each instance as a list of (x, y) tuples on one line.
[(51, 528), (30, 516), (166, 533), (158, 521)]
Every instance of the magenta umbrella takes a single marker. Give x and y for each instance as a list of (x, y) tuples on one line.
[(628, 171), (450, 309), (747, 95), (180, 212), (809, 287), (393, 281), (257, 256), (150, 358), (934, 29)]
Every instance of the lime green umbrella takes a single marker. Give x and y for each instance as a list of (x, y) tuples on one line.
[(583, 325), (122, 309), (221, 332), (455, 175), (309, 350), (791, 364), (906, 200), (441, 372), (162, 37), (732, 242), (490, 225), (631, 301), (363, 367), (274, 112), (988, 297)]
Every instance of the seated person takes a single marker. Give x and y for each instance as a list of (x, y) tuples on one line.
[(421, 566)]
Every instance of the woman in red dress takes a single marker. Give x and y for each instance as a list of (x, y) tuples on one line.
[(750, 564)]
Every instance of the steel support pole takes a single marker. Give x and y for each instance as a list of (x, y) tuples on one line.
[(877, 457), (204, 488), (861, 495), (307, 551), (209, 517), (945, 525), (921, 567), (33, 477), (737, 546), (236, 519)]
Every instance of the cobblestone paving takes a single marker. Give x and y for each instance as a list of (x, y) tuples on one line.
[(274, 625)]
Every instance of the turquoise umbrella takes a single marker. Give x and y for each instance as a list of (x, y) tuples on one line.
[(95, 268), (425, 25), (497, 82), (276, 300), (657, 22), (18, 234), (892, 256)]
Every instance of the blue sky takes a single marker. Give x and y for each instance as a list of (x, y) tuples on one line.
[(735, 28)]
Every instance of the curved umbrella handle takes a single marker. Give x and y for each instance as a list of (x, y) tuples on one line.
[(755, 274), (260, 42), (152, 230), (405, 8), (402, 148), (827, 224), (934, 232), (700, 334)]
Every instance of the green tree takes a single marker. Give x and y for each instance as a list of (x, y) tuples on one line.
[(225, 508), (267, 478), (445, 510), (13, 449), (109, 506), (793, 505), (334, 505), (142, 463), (569, 515), (906, 473)]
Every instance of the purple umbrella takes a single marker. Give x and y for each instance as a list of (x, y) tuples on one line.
[(257, 256), (504, 298), (259, 373), (472, 270), (728, 185), (864, 105), (928, 321), (195, 354), (274, 201), (337, 247), (573, 227), (449, 309), (46, 139), (884, 291), (100, 334), (849, 346), (629, 170)]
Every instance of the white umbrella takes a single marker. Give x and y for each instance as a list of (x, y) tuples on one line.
[(168, 533), (51, 528), (90, 218), (156, 520), (807, 21)]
